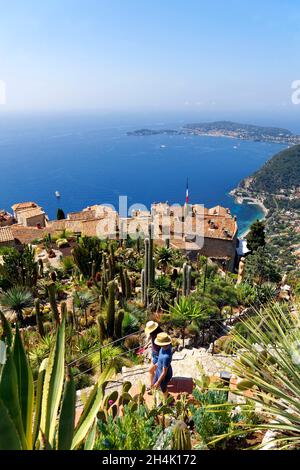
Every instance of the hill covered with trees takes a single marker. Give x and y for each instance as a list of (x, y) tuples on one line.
[(281, 172)]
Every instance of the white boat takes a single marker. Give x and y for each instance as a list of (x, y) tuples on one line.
[(235, 147), (57, 193), (163, 146)]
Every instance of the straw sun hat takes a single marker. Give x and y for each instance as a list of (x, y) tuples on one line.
[(150, 327), (162, 339)]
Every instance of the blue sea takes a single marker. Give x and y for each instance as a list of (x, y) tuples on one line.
[(89, 159)]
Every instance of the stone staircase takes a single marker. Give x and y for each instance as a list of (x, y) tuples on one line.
[(185, 370)]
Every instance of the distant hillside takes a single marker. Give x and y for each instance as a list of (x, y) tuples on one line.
[(249, 129), (281, 172)]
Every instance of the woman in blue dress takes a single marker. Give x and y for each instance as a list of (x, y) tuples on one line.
[(152, 330), (163, 373)]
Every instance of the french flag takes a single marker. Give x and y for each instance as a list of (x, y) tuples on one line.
[(187, 192)]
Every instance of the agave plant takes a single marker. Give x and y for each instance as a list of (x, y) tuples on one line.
[(269, 366), (17, 299), (43, 417)]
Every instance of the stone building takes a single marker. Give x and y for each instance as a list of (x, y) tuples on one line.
[(29, 214)]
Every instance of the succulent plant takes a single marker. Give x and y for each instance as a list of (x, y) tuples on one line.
[(181, 437)]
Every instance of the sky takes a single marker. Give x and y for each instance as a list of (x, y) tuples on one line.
[(121, 55)]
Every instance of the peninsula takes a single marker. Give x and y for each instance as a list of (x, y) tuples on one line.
[(228, 129)]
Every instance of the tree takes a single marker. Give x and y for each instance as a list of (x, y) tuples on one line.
[(256, 237), (60, 214), (260, 268), (17, 299)]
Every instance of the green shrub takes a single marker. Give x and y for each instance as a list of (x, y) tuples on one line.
[(133, 431)]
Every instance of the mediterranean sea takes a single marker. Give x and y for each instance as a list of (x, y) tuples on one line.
[(89, 159)]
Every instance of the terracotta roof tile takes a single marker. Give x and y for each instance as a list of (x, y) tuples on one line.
[(23, 206), (6, 235)]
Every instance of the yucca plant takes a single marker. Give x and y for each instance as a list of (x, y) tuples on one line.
[(43, 416), (269, 365)]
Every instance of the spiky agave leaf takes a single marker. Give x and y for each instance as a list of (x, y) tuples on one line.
[(269, 362), (53, 387), (92, 407), (25, 386)]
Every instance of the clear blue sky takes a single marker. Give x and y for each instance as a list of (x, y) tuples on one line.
[(149, 54)]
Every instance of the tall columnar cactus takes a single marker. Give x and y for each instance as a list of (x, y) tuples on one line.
[(177, 295), (119, 323), (123, 280), (41, 268), (111, 309), (70, 318), (94, 267), (149, 265), (153, 270), (147, 269), (186, 279), (39, 319), (143, 286), (181, 437), (112, 258), (150, 254), (101, 329), (127, 285), (101, 301), (63, 310), (103, 286), (189, 280), (51, 289)]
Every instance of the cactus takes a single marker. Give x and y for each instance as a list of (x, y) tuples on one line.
[(101, 329), (111, 310), (146, 264), (63, 311), (149, 266), (123, 281), (181, 437), (189, 280), (150, 255), (118, 324), (143, 286), (93, 274), (153, 270), (127, 285), (70, 318), (103, 287), (41, 268), (186, 280), (101, 300), (39, 319), (51, 289)]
